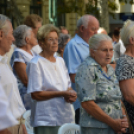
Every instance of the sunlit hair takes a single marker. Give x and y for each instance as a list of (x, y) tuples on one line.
[(84, 20), (44, 31), (20, 34), (127, 32), (3, 23), (95, 40)]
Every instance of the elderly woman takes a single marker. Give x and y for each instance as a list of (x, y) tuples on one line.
[(125, 70), (98, 90), (63, 40), (49, 85), (24, 40)]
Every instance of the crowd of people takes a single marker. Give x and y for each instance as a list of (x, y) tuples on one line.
[(87, 79)]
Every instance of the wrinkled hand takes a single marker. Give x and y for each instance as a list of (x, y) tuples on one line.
[(120, 125), (70, 95), (73, 96)]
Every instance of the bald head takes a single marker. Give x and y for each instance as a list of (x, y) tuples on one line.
[(85, 19), (87, 26), (102, 31)]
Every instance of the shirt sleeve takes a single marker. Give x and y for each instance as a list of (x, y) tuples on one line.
[(124, 69), (17, 57), (85, 82), (6, 118), (71, 57), (34, 78)]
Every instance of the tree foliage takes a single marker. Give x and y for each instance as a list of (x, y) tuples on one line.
[(127, 1), (87, 6)]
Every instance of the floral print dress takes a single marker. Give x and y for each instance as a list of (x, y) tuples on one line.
[(93, 84), (124, 71), (22, 56)]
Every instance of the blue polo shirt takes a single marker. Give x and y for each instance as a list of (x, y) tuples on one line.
[(74, 54)]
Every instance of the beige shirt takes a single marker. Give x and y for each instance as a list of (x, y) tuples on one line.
[(9, 84)]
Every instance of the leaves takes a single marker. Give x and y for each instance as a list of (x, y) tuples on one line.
[(127, 1)]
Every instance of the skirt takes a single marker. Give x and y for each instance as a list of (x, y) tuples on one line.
[(46, 130)]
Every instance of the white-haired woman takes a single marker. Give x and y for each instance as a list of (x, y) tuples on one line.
[(98, 90), (125, 70), (49, 85), (24, 41)]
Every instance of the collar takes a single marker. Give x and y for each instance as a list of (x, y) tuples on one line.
[(3, 59), (25, 53), (109, 67), (79, 40)]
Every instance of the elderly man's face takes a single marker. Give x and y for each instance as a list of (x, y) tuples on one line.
[(104, 53), (92, 29), (6, 39)]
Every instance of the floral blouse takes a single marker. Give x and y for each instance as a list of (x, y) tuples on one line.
[(124, 71), (22, 56), (93, 84)]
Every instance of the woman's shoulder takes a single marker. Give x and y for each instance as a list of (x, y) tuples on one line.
[(36, 59), (88, 64), (125, 60)]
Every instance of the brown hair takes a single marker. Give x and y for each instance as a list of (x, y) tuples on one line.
[(32, 19)]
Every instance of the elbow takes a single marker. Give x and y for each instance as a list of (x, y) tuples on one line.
[(129, 99), (25, 82)]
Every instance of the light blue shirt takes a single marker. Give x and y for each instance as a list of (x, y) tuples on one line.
[(74, 54)]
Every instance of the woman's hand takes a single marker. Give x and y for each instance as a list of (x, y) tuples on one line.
[(70, 95), (120, 125), (73, 96)]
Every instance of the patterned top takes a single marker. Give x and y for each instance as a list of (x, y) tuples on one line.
[(125, 70), (92, 83), (20, 55)]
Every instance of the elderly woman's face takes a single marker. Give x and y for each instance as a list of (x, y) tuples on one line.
[(104, 53), (51, 42), (32, 39)]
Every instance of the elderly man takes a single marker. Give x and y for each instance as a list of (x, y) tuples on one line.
[(7, 79), (78, 49)]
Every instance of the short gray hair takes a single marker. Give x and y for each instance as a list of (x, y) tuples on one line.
[(95, 40), (127, 32), (63, 38), (20, 33), (3, 22), (84, 20)]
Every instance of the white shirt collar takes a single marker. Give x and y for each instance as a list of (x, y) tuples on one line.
[(3, 59)]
